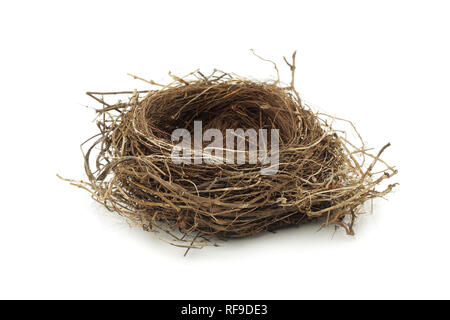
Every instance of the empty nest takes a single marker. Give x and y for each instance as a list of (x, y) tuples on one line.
[(321, 176)]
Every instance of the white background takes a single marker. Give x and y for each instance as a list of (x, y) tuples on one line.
[(382, 64)]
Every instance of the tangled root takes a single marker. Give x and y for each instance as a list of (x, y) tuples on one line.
[(321, 176)]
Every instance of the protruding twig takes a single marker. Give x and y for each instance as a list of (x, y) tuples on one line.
[(292, 67), (267, 60)]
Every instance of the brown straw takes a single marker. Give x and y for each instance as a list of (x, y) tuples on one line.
[(322, 176)]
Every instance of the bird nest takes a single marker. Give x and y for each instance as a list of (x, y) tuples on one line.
[(297, 169)]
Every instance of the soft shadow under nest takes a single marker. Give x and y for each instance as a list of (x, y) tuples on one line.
[(322, 176)]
